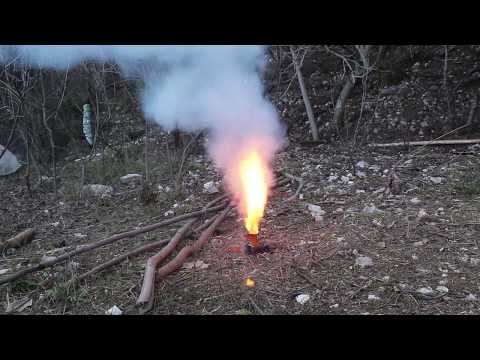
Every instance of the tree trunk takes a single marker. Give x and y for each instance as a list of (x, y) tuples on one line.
[(340, 105), (306, 100)]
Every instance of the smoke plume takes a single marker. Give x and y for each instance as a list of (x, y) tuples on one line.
[(189, 87)]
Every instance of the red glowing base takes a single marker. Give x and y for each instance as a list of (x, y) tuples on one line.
[(254, 246)]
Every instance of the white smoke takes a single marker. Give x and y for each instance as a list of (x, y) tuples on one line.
[(190, 87)]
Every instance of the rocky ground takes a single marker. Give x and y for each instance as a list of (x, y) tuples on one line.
[(344, 246)]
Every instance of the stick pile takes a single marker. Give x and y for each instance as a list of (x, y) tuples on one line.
[(219, 207)]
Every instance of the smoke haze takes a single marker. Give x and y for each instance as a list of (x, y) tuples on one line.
[(189, 87)]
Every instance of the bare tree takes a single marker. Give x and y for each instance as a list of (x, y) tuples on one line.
[(306, 100)]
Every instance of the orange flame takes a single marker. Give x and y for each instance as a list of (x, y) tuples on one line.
[(249, 282), (253, 174)]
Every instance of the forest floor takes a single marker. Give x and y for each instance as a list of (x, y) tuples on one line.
[(370, 252)]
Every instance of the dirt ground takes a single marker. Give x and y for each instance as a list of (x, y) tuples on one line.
[(367, 252)]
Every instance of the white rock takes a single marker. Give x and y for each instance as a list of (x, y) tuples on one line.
[(100, 191), (435, 180), (442, 289), (210, 187), (420, 243), (373, 297), (361, 174), (316, 211), (381, 244), (55, 224), (362, 164), (114, 310), (363, 261), (345, 179), (169, 213), (3, 271), (332, 178), (131, 179), (372, 210), (421, 213), (471, 297), (79, 235), (425, 291), (415, 201), (302, 298), (358, 191)]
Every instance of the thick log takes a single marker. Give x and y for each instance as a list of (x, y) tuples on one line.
[(21, 239)]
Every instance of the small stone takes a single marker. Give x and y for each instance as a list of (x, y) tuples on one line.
[(210, 188), (316, 211), (99, 191), (372, 210), (435, 180), (362, 164), (471, 297), (442, 289), (381, 244), (422, 213), (373, 297), (114, 311), (420, 243), (363, 261), (415, 201), (130, 179), (358, 191), (425, 291), (302, 298), (3, 271)]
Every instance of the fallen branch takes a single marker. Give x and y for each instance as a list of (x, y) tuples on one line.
[(423, 143), (152, 262), (145, 300), (301, 184), (21, 239), (135, 252), (110, 240)]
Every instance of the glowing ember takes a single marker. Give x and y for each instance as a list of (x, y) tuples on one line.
[(249, 282), (253, 173)]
